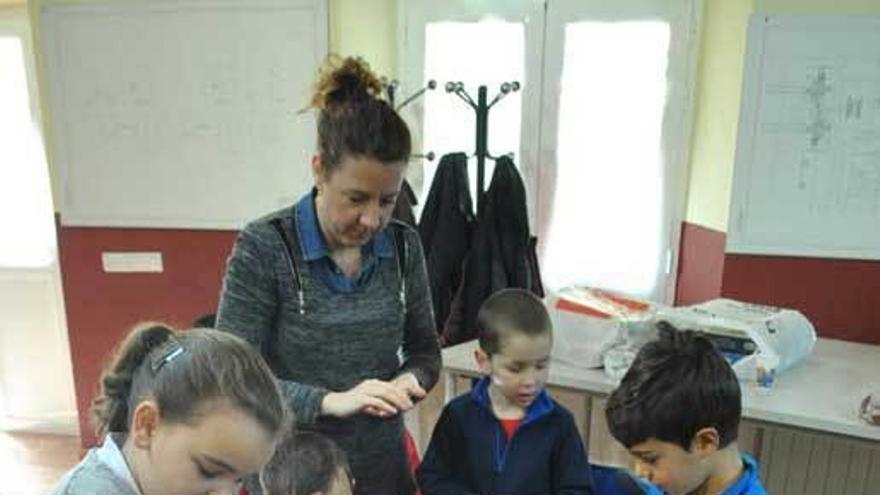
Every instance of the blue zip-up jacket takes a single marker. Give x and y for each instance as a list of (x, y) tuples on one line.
[(470, 454), (749, 482), (616, 481)]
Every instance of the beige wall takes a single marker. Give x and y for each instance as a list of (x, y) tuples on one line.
[(719, 80), (719, 83), (366, 28)]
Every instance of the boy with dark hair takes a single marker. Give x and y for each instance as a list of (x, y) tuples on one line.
[(307, 463), (677, 410), (507, 435)]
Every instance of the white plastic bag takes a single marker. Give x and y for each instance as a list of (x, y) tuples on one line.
[(587, 322), (780, 337)]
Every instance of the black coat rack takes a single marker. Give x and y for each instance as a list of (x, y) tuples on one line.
[(481, 107), (390, 93)]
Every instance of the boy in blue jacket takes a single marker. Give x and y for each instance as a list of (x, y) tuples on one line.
[(507, 436), (677, 410)]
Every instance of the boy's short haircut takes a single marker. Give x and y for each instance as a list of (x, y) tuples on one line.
[(676, 386), (511, 310), (304, 462)]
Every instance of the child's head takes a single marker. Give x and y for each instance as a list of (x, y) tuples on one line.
[(307, 463), (515, 342), (677, 406), (198, 409)]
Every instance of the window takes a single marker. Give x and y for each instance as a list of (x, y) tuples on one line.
[(605, 229), (26, 212)]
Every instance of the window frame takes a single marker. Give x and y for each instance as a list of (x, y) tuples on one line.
[(677, 119), (537, 136)]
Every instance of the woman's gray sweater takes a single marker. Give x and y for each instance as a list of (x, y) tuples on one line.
[(319, 340)]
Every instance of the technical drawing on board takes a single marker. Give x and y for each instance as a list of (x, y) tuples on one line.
[(807, 173)]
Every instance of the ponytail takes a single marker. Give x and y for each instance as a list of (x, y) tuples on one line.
[(181, 371), (110, 409)]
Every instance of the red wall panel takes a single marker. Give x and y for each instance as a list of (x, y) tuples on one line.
[(102, 307), (840, 297), (700, 264)]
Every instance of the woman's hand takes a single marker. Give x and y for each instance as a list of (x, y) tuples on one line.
[(406, 383), (373, 397), (409, 384)]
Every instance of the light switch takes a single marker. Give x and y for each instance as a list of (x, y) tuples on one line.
[(132, 262)]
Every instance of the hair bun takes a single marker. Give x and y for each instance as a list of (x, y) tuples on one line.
[(344, 80)]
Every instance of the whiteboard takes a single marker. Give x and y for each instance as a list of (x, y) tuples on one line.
[(807, 171), (181, 114)]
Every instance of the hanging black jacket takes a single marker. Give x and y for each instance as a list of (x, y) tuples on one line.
[(403, 208), (446, 227), (502, 252)]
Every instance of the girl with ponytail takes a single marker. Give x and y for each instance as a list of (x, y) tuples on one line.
[(180, 413)]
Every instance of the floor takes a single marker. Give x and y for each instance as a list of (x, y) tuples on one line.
[(32, 463)]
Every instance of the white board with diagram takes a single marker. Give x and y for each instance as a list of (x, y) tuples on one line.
[(807, 172), (180, 114)]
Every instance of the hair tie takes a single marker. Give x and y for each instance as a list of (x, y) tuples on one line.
[(169, 351)]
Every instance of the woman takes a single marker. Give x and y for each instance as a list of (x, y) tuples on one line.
[(335, 294)]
